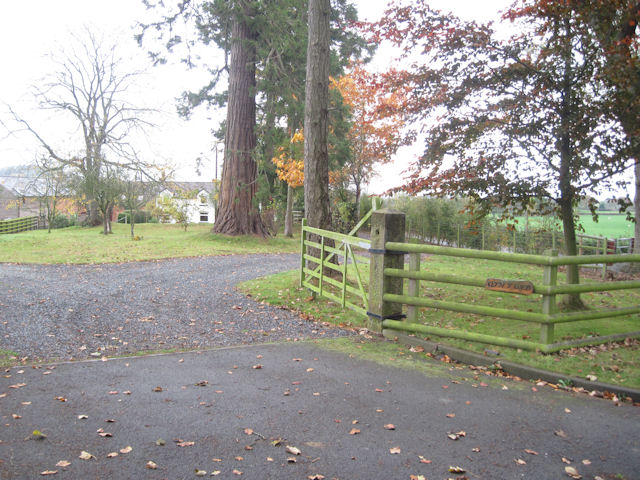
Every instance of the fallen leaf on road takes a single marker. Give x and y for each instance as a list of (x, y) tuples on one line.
[(316, 477), (202, 383), (309, 370), (248, 431), (424, 460), (38, 435), (456, 470), (417, 477), (83, 417), (200, 473), (61, 399), (451, 415), (257, 367), (560, 433), (185, 444), (126, 449), (394, 450), (379, 390), (566, 460), (292, 450), (215, 473), (157, 389), (48, 472), (239, 458), (572, 472), (291, 460), (15, 416), (389, 426), (519, 461), (151, 465), (354, 431), (530, 452), (160, 442), (86, 455), (566, 410), (112, 455), (63, 464), (586, 462)]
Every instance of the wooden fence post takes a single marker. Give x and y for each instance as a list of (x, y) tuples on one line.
[(550, 278), (386, 226), (303, 236), (414, 287)]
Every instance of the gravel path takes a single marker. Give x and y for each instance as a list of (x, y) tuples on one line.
[(79, 311)]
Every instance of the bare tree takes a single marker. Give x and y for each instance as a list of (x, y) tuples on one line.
[(89, 88), (51, 184)]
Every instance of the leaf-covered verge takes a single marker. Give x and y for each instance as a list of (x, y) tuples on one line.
[(81, 245), (617, 363)]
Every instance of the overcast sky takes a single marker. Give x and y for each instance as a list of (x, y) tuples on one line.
[(31, 29)]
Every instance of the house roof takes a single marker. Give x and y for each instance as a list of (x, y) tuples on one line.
[(208, 187), (6, 194)]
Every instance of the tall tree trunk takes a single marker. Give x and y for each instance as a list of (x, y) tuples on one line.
[(94, 216), (316, 113), (636, 209), (237, 215), (316, 119), (288, 216), (131, 221), (358, 193), (567, 195)]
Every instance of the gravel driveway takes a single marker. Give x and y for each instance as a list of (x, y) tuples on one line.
[(79, 311)]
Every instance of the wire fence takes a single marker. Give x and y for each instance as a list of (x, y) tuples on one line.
[(499, 238)]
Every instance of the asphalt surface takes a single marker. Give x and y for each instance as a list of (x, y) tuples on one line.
[(75, 312), (235, 410)]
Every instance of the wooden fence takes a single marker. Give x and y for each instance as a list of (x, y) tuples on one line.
[(389, 279), (17, 225)]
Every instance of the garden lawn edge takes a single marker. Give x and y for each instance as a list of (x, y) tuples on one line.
[(512, 368)]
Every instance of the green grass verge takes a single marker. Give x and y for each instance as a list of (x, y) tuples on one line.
[(282, 290), (616, 364), (158, 241)]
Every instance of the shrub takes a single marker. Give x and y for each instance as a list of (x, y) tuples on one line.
[(63, 221)]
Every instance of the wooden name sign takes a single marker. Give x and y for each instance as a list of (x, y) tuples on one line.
[(523, 287)]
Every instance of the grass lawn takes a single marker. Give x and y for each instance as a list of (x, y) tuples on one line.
[(611, 363), (610, 226), (89, 245)]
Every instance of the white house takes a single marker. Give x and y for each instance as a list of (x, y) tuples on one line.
[(197, 198)]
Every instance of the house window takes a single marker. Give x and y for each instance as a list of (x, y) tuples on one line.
[(204, 217), (203, 200)]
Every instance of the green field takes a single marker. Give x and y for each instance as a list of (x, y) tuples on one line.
[(610, 226), (89, 245)]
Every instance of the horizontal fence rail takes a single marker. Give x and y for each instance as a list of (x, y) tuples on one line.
[(548, 290), (18, 225)]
